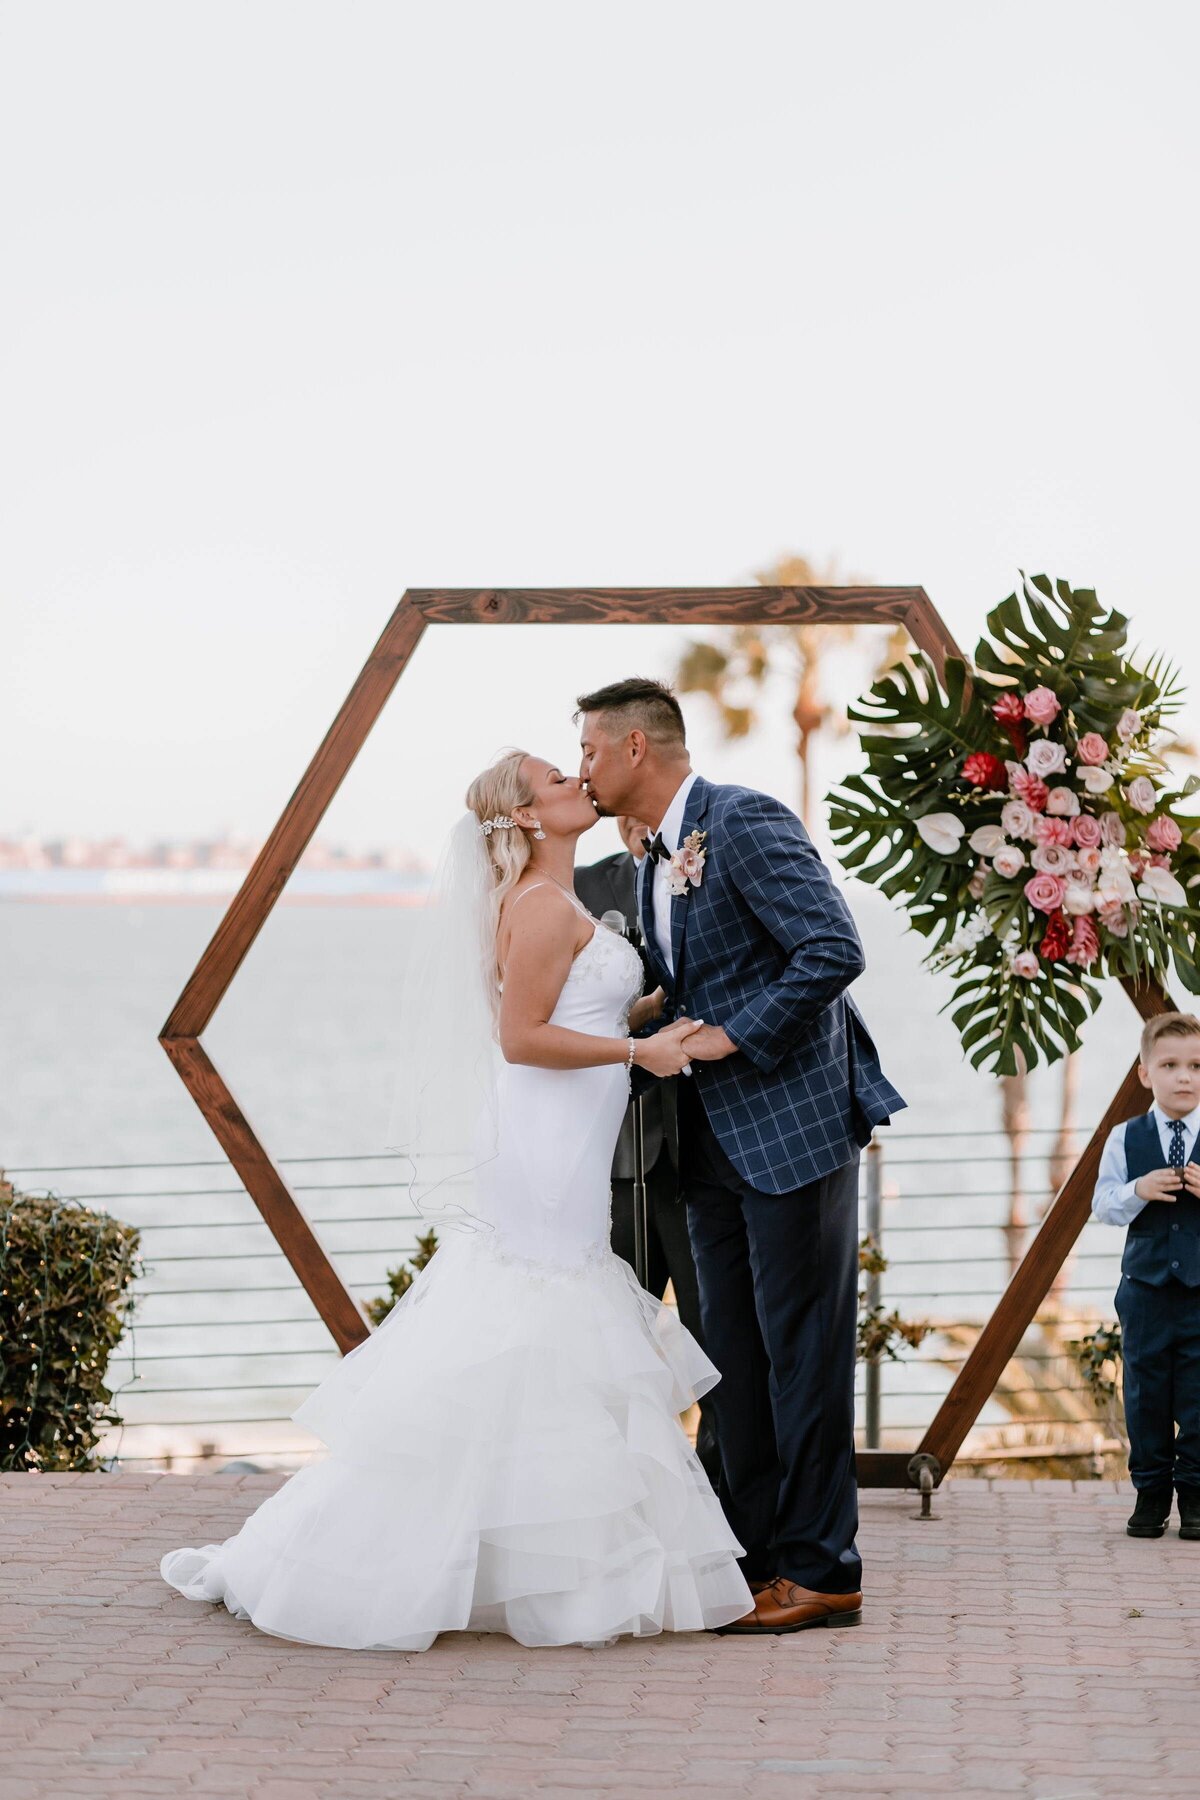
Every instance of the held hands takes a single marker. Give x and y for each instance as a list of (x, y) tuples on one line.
[(664, 1053), (709, 1043)]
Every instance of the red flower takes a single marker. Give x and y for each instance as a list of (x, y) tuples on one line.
[(983, 770), (1056, 939), (1009, 712)]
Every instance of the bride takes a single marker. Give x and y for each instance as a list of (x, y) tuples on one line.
[(505, 1451)]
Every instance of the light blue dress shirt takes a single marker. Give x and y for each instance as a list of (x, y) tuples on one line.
[(1114, 1201)]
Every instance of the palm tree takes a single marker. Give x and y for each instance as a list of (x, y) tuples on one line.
[(735, 668)]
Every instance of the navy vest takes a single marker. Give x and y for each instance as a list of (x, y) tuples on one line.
[(1163, 1242)]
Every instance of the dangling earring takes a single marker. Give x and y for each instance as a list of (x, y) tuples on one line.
[(538, 833)]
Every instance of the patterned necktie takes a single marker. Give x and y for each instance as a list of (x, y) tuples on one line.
[(1175, 1153)]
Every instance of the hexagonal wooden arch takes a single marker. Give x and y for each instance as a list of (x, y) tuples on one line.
[(251, 907)]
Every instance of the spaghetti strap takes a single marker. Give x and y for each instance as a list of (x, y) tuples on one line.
[(533, 884)]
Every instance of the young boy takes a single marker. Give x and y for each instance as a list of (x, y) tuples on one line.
[(1148, 1182)]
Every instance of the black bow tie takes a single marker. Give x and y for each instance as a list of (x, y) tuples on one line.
[(656, 849)]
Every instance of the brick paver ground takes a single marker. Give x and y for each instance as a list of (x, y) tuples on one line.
[(1022, 1644)]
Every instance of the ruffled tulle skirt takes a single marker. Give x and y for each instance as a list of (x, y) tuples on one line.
[(505, 1454)]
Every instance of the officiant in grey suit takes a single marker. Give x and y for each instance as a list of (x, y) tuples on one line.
[(605, 886)]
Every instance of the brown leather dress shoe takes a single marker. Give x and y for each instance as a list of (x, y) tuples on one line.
[(785, 1606)]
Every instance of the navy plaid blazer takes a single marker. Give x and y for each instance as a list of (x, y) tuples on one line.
[(766, 948)]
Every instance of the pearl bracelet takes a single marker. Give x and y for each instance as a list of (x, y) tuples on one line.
[(629, 1064)]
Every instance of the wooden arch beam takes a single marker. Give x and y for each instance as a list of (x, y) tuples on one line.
[(272, 868)]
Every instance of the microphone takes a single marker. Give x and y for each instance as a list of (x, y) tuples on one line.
[(616, 921)]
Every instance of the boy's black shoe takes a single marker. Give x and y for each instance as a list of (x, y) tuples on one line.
[(1189, 1511), (1149, 1517)]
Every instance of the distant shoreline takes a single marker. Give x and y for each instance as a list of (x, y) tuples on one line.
[(215, 899)]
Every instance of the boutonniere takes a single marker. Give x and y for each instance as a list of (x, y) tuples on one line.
[(686, 867)]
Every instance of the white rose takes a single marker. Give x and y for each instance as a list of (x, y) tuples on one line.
[(1160, 884), (1018, 820), (985, 840), (1140, 794), (1090, 860), (943, 832), (1096, 781), (1045, 758), (1063, 803), (1008, 861), (1078, 898)]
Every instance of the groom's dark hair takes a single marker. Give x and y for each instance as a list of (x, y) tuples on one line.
[(640, 703)]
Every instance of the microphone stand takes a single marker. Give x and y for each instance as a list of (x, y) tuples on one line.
[(641, 1219)]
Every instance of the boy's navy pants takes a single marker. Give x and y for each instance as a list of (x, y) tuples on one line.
[(1160, 1335)]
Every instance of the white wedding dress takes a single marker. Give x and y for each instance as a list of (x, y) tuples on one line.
[(505, 1452)]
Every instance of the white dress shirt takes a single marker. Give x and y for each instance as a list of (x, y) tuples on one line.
[(1114, 1201), (660, 893)]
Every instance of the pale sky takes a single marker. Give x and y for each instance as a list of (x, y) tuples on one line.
[(305, 303)]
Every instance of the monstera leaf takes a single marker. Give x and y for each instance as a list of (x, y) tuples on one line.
[(1060, 637)]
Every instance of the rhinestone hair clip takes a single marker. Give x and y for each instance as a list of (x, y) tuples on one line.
[(490, 825)]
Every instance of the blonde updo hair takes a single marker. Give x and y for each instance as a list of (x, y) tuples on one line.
[(493, 795)]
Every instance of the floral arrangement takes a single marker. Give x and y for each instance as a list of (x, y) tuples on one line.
[(1024, 814), (686, 867)]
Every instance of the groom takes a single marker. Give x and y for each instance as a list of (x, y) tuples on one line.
[(749, 937)]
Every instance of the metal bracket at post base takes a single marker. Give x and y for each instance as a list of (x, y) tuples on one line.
[(924, 1472)]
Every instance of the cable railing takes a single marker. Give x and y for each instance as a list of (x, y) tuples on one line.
[(224, 1343)]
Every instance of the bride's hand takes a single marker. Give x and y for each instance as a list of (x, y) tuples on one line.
[(649, 1007), (664, 1054)]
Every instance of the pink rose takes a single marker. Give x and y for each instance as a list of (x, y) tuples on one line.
[(1088, 862), (975, 885), (1128, 725), (1008, 861), (1030, 788), (1140, 794), (1054, 831), (1063, 803), (1112, 828), (1086, 831), (1019, 820), (1025, 964), (1092, 748), (1044, 892), (1052, 859), (1041, 706), (1163, 834)]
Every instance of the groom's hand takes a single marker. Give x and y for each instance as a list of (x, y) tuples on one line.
[(709, 1043)]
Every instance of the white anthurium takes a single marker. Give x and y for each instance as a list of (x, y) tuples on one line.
[(985, 840), (1096, 781), (1161, 885), (942, 831)]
